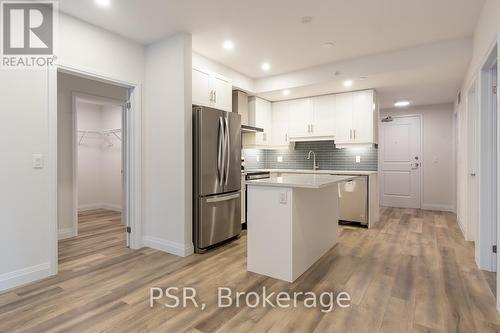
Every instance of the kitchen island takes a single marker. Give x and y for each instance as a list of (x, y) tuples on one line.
[(373, 185), (292, 222)]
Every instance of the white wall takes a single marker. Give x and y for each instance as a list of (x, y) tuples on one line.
[(167, 149), (486, 34), (28, 196), (99, 159), (438, 154), (89, 172), (486, 37), (112, 160), (94, 50), (27, 202)]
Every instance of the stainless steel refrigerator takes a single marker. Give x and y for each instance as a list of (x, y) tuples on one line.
[(216, 177)]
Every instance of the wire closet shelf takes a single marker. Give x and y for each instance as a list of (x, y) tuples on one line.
[(105, 135)]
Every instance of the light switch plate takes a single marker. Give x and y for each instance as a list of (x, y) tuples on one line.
[(283, 198), (37, 161), (358, 159), (257, 158)]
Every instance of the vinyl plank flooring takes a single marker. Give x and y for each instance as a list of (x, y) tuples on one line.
[(413, 272)]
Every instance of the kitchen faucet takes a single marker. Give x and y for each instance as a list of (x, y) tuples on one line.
[(315, 166)]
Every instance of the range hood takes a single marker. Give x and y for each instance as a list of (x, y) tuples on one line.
[(240, 106)]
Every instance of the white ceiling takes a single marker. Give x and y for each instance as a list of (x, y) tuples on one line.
[(429, 74), (264, 30)]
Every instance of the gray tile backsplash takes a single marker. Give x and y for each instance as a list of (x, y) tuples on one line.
[(327, 156)]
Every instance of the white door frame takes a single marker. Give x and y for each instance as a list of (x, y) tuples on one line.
[(125, 188), (134, 151), (485, 257), (422, 157)]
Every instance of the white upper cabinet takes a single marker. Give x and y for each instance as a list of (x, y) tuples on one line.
[(223, 93), (201, 88), (301, 117), (347, 118), (280, 120), (211, 90), (259, 115), (356, 118), (324, 117), (343, 122), (364, 117)]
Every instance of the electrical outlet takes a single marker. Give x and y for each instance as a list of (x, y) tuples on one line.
[(283, 198), (358, 159), (37, 161), (279, 159)]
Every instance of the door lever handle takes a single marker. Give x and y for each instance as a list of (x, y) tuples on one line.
[(473, 174)]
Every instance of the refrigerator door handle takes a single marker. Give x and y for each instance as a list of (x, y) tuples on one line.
[(228, 150), (220, 153), (221, 198)]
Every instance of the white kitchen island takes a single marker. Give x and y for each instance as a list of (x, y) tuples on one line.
[(292, 222)]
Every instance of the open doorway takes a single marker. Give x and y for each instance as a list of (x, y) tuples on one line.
[(92, 171)]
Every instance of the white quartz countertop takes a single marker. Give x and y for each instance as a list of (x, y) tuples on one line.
[(301, 181), (328, 172)]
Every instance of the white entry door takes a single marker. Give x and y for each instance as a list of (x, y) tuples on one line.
[(400, 162)]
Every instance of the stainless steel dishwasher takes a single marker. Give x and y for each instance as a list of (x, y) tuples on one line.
[(353, 200)]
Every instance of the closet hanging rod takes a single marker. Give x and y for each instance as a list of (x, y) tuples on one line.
[(103, 133)]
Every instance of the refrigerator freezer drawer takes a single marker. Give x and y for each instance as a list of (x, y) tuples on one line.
[(219, 218), (353, 202)]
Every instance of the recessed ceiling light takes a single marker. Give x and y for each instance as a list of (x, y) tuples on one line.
[(347, 83), (265, 66), (328, 45), (103, 3), (228, 45), (286, 92), (403, 103), (306, 19)]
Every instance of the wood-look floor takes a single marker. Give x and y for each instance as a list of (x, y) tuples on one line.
[(412, 273)]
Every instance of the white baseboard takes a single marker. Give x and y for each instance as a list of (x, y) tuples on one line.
[(442, 208), (178, 249), (23, 276), (100, 205), (65, 233)]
